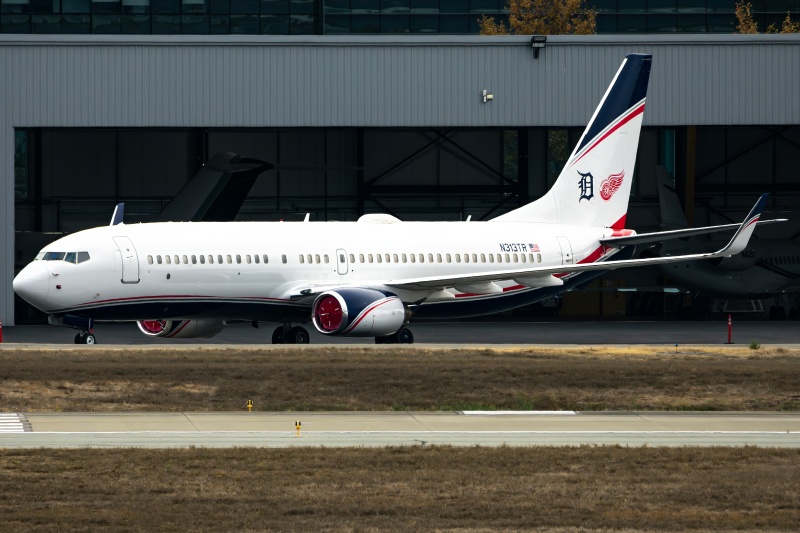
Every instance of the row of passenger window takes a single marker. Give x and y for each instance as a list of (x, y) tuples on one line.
[(444, 258), (209, 259)]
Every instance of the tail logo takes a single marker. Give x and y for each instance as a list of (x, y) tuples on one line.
[(586, 185), (610, 185)]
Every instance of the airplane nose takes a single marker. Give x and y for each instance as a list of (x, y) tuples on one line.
[(33, 283)]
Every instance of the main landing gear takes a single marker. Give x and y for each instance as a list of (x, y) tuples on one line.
[(85, 337), (403, 336), (287, 334)]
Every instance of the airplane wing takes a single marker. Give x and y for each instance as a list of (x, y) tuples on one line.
[(547, 274), (661, 236)]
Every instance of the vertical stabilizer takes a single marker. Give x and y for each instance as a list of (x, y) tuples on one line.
[(594, 187)]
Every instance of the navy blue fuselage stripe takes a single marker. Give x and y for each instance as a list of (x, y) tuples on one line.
[(629, 89)]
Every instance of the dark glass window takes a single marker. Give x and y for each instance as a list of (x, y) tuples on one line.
[(691, 6), (275, 24), (301, 24), (454, 23), (8, 7), (394, 24), (135, 24), (365, 24), (46, 23), (301, 7), (219, 7), (722, 6), (632, 24), (721, 23), (424, 24), (780, 6), (337, 6), (244, 7), (661, 6), (130, 7), (484, 6), (691, 23), (365, 6), (45, 6), (424, 6), (172, 7), (603, 6), (394, 7), (245, 24), (75, 6), (219, 25), (662, 24), (335, 24), (454, 6), (194, 24), (20, 164), (76, 24), (606, 23), (194, 6), (106, 24), (107, 8), (166, 24), (631, 6), (278, 7)]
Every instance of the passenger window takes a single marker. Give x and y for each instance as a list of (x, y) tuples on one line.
[(430, 258), (202, 260), (238, 259), (413, 258), (491, 258), (219, 259), (302, 259), (167, 259), (341, 258), (508, 258), (483, 258), (474, 258), (369, 257), (177, 260), (248, 258), (352, 258), (255, 256), (396, 260), (266, 259), (210, 259), (499, 258), (421, 258), (158, 259), (458, 258), (438, 258), (83, 256), (308, 258), (360, 258), (522, 256), (388, 259), (379, 258), (448, 257), (185, 260), (516, 258), (327, 259), (194, 259), (316, 258), (404, 258), (149, 259), (229, 258), (539, 257), (466, 258), (283, 258)]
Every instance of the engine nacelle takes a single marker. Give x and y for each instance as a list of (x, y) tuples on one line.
[(358, 312), (736, 263), (180, 329)]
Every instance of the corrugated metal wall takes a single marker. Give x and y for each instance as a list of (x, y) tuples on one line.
[(377, 81)]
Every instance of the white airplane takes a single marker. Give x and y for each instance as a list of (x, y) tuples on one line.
[(365, 278)]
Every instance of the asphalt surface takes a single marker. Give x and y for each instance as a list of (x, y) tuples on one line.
[(467, 332), (257, 429)]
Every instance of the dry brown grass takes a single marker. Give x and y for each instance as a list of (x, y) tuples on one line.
[(401, 489), (364, 378)]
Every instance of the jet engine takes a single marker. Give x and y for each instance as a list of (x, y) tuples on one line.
[(735, 263), (180, 329), (358, 312)]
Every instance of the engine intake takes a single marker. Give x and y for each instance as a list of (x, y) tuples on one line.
[(180, 329), (358, 312)]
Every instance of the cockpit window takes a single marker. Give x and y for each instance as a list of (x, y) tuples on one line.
[(69, 257)]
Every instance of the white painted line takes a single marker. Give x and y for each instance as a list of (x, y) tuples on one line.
[(11, 423), (524, 413)]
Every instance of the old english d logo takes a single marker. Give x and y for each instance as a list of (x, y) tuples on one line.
[(586, 185), (610, 185)]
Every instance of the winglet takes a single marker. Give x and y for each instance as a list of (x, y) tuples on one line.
[(119, 214), (742, 235)]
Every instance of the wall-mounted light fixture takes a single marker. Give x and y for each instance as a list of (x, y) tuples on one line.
[(537, 43), (487, 96)]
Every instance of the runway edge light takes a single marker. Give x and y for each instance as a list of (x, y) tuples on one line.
[(249, 405), (297, 426)]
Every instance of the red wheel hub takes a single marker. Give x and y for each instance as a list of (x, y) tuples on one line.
[(329, 313)]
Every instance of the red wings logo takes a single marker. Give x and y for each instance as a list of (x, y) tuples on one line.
[(610, 185)]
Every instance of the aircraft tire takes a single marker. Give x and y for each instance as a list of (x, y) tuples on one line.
[(89, 339), (277, 335), (404, 336), (297, 335)]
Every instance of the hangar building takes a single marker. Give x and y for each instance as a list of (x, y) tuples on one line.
[(378, 124)]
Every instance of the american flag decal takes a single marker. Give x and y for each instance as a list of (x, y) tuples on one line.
[(533, 247)]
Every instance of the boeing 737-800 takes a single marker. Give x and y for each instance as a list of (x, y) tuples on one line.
[(365, 278)]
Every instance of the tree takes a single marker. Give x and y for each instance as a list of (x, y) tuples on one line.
[(543, 17), (746, 24)]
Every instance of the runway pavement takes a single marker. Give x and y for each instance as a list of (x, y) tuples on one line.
[(467, 332), (259, 429)]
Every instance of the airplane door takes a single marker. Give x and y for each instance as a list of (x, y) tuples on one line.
[(130, 261), (341, 262), (566, 250)]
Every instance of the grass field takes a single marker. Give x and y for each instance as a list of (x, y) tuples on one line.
[(400, 489), (399, 378)]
